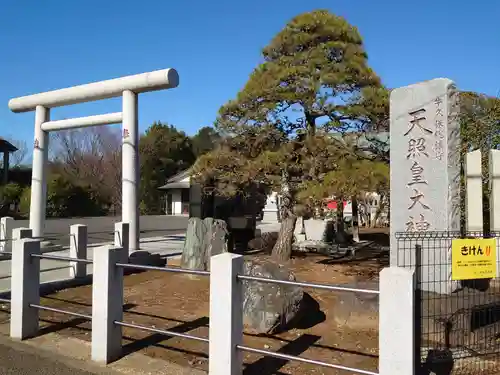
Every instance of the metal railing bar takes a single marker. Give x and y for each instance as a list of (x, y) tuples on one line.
[(51, 238), (6, 239), (163, 332), (62, 258), (304, 360), (89, 317), (164, 269), (104, 232), (4, 300), (307, 284)]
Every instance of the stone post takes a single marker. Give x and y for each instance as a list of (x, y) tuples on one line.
[(6, 234), (122, 235), (397, 330), (107, 303), (21, 233), (474, 192), (226, 314), (425, 176), (25, 289), (78, 250)]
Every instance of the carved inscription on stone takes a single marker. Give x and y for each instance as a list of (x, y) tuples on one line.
[(439, 132), (416, 174), (417, 133), (417, 225)]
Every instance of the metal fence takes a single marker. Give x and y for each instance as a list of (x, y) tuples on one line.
[(288, 357), (226, 308), (162, 269), (457, 323)]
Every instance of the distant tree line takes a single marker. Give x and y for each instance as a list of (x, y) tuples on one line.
[(85, 170)]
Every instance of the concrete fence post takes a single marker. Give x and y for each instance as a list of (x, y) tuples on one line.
[(226, 315), (474, 191), (107, 303), (21, 233), (25, 288), (78, 249), (494, 182), (396, 321), (122, 235), (6, 227)]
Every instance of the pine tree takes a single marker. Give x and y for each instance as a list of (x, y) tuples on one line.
[(314, 81)]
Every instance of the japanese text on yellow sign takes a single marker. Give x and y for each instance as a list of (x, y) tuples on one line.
[(474, 259)]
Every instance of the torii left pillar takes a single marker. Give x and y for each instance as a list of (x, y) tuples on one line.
[(39, 173)]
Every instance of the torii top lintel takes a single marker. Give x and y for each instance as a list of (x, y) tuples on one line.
[(138, 83)]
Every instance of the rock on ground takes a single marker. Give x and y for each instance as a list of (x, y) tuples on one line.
[(204, 238), (268, 308)]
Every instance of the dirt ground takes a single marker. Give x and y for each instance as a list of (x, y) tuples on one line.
[(181, 303)]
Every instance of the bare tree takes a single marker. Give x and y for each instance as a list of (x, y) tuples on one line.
[(20, 156), (90, 156)]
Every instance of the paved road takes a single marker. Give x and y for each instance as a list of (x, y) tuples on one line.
[(20, 359), (100, 229)]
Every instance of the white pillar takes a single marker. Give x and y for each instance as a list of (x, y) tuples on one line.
[(495, 190), (121, 238), (494, 174), (6, 228), (39, 173), (130, 167), (226, 315), (396, 321), (474, 192), (25, 289), (107, 303), (78, 250)]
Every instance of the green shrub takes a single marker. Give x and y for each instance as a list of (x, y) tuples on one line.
[(10, 193), (24, 202), (66, 199)]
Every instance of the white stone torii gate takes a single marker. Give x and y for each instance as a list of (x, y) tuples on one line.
[(128, 87)]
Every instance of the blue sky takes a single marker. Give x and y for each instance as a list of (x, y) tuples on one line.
[(214, 45)]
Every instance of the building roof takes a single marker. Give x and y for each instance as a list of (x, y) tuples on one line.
[(175, 182), (6, 146)]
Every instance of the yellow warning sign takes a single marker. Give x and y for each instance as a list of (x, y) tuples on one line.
[(474, 258)]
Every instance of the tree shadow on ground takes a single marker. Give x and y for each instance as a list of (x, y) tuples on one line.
[(378, 254), (308, 316), (156, 338), (74, 322), (381, 239), (271, 365), (318, 346), (132, 344)]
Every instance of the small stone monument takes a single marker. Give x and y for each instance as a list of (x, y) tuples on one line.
[(270, 211), (425, 176), (204, 238)]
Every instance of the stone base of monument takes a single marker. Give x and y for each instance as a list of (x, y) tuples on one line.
[(270, 216), (320, 237)]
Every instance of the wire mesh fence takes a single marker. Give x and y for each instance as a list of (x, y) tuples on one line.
[(457, 321)]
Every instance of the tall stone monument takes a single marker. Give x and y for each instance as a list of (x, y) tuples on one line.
[(425, 177)]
